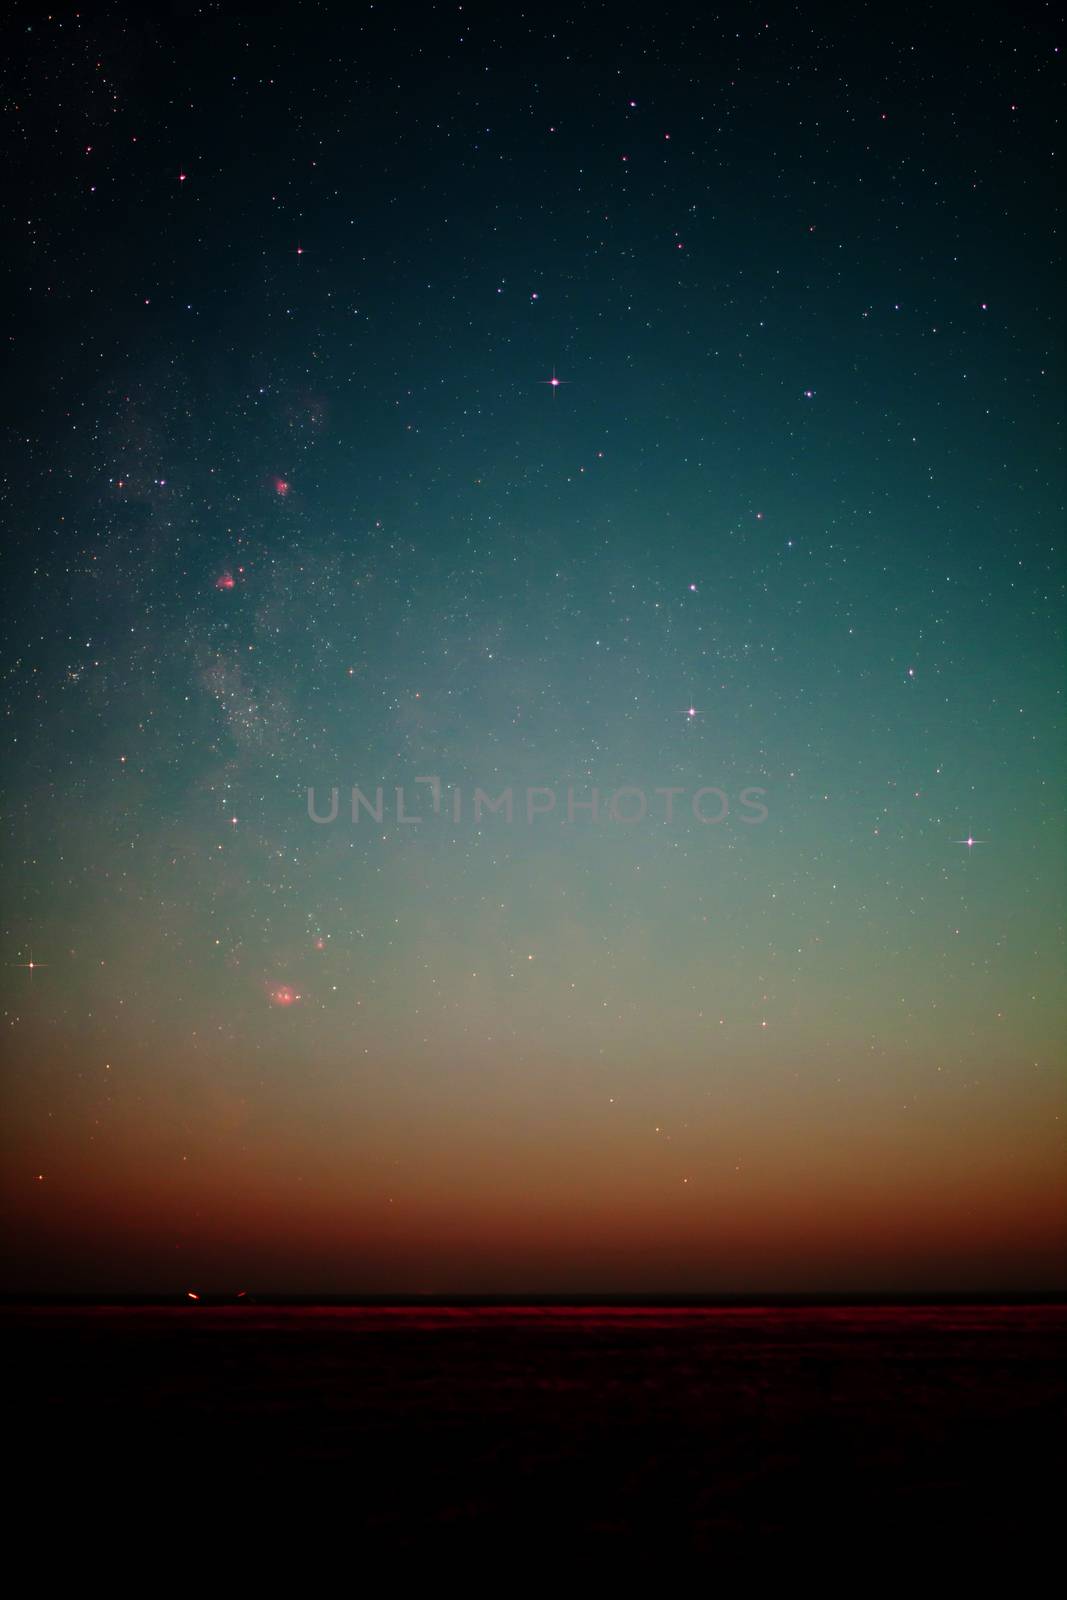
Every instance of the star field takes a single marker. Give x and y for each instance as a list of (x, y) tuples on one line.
[(569, 401)]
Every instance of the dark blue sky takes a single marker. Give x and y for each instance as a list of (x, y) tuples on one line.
[(291, 501)]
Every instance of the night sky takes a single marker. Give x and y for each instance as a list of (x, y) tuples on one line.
[(292, 501)]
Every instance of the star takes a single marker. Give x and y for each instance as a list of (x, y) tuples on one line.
[(554, 383), (970, 842), (31, 966)]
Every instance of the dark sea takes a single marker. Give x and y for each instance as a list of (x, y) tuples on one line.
[(254, 1433)]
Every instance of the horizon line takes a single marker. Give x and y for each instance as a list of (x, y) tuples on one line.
[(667, 1299)]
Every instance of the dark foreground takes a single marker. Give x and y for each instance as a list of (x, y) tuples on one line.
[(528, 1432)]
